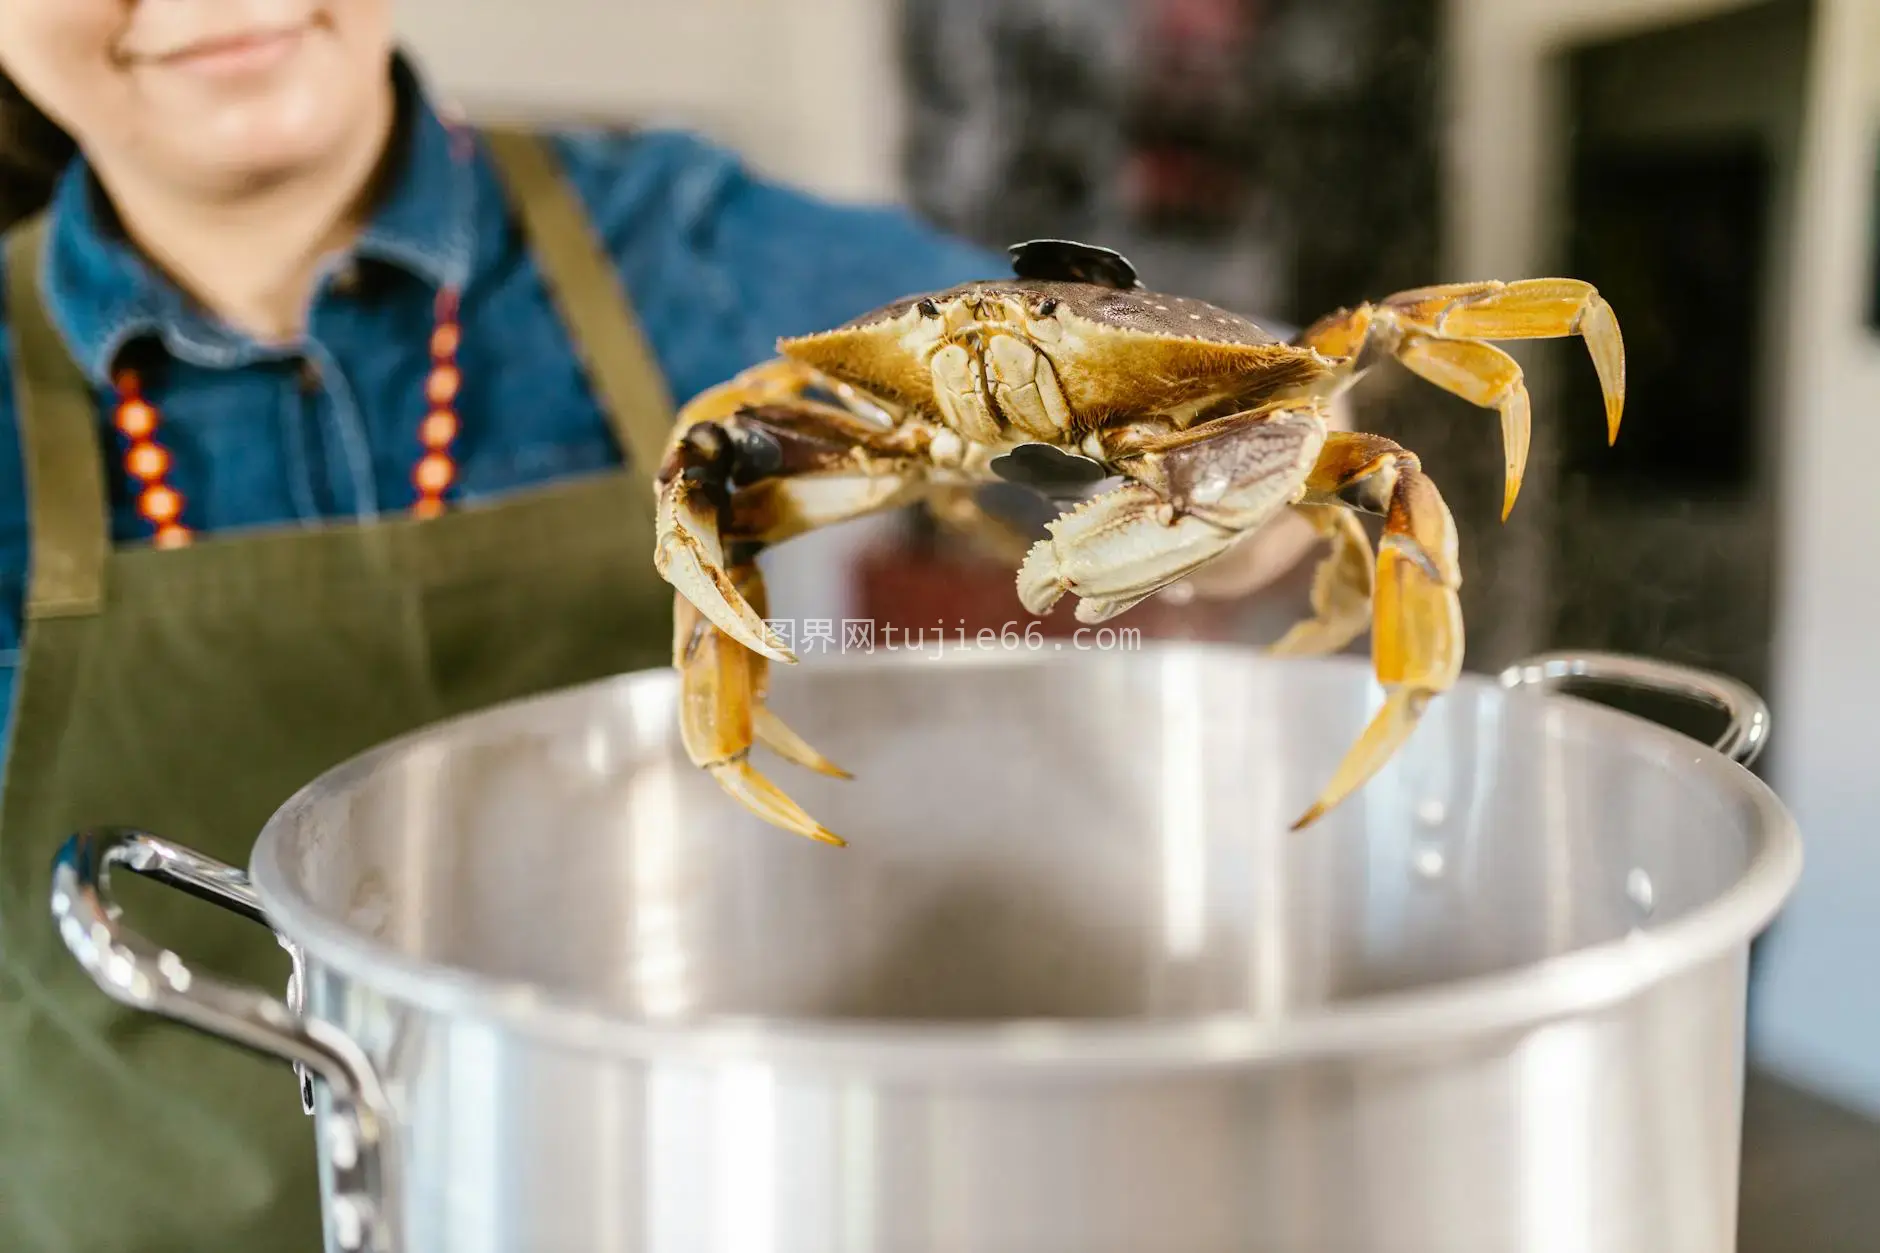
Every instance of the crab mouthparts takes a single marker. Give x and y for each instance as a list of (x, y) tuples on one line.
[(1053, 473), (992, 382)]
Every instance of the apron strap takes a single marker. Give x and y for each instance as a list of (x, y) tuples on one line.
[(65, 487), (584, 282), (67, 507)]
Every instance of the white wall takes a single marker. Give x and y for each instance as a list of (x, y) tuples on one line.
[(1818, 1001), (805, 90)]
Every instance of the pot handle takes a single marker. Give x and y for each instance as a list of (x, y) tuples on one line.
[(136, 973), (1742, 741)]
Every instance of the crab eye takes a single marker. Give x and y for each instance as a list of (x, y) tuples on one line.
[(1047, 306), (928, 309)]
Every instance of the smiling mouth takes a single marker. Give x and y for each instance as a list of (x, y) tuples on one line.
[(227, 47)]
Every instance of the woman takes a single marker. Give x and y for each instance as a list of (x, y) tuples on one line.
[(318, 421)]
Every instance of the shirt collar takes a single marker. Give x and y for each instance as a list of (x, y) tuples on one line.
[(102, 294)]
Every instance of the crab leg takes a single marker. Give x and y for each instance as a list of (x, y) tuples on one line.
[(730, 486), (1341, 587), (1191, 495), (721, 713), (1435, 332), (1417, 624)]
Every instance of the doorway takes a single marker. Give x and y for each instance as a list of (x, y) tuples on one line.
[(1681, 151)]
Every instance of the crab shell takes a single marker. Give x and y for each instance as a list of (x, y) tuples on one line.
[(1050, 360)]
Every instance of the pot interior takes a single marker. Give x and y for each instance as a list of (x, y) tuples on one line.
[(1053, 834)]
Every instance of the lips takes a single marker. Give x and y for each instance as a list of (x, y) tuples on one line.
[(236, 44)]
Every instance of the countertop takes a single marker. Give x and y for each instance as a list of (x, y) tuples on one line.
[(1811, 1174)]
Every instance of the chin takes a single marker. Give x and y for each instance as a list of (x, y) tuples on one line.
[(270, 138)]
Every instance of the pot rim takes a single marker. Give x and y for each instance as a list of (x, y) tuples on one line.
[(1573, 984)]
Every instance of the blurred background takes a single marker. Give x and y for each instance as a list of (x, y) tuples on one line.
[(1712, 165)]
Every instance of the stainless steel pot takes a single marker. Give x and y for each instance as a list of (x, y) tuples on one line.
[(1074, 987)]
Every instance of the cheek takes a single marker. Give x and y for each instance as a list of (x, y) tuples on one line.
[(62, 55), (59, 53), (362, 24)]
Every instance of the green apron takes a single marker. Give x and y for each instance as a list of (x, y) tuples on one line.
[(190, 692)]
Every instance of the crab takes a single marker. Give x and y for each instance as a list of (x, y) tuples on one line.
[(1066, 375)]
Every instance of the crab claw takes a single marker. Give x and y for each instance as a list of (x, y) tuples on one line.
[(689, 554), (1114, 551), (1417, 646), (1184, 502)]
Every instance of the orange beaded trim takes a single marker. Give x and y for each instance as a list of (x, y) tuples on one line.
[(436, 471), (148, 462)]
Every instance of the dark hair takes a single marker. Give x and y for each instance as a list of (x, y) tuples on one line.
[(33, 152)]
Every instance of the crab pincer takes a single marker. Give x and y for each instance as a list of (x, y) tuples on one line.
[(690, 549)]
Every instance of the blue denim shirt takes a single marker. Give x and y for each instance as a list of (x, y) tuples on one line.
[(718, 262)]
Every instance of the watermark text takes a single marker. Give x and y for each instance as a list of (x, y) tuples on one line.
[(864, 635)]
